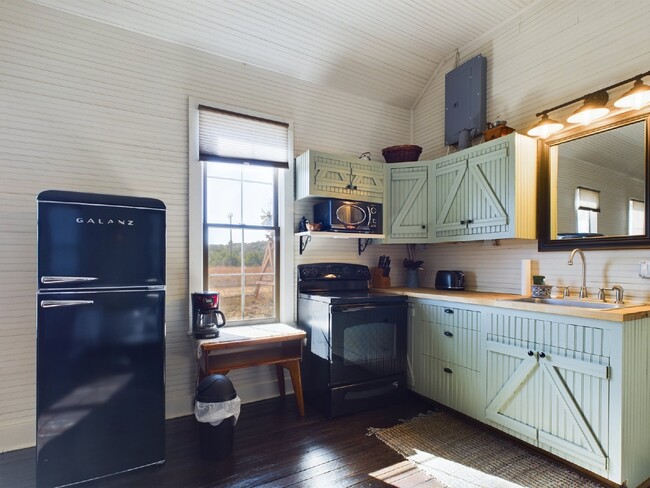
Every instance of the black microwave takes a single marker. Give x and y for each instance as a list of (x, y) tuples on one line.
[(346, 216)]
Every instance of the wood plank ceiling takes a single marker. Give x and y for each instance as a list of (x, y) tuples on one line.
[(386, 50)]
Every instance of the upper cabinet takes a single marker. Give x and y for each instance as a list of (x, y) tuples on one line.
[(327, 175), (484, 192), (407, 203), (487, 191)]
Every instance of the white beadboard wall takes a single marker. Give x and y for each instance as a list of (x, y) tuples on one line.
[(554, 52), (91, 107)]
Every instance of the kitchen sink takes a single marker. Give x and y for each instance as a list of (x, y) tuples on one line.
[(567, 302)]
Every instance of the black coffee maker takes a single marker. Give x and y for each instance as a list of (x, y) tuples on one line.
[(206, 317)]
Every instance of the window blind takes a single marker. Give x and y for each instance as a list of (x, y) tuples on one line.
[(587, 199), (230, 137)]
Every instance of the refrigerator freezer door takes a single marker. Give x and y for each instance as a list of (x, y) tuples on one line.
[(100, 384), (99, 245)]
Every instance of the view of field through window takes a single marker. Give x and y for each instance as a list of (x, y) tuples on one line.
[(241, 236)]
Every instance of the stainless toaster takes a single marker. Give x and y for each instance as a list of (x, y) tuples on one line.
[(450, 280)]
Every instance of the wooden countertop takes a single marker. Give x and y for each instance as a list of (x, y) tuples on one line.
[(502, 300)]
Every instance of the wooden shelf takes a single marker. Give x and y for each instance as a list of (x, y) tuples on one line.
[(341, 235)]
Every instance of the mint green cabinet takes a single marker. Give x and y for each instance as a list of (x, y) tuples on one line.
[(406, 209), (445, 355), (486, 192), (548, 383), (576, 387), (326, 175)]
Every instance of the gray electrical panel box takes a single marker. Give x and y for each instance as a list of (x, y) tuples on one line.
[(465, 88)]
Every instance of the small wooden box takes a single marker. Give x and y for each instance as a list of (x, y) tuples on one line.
[(495, 132), (378, 280)]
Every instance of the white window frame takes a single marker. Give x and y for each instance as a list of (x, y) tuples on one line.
[(587, 209), (196, 208), (632, 217)]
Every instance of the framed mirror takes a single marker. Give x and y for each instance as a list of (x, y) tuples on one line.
[(594, 186)]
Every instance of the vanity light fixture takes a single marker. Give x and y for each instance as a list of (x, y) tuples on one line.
[(545, 127), (594, 106), (593, 109), (637, 97)]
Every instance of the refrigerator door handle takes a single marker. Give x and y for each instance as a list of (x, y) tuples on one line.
[(65, 303), (46, 280)]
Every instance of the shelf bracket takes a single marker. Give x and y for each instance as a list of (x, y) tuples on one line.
[(362, 247), (304, 240)]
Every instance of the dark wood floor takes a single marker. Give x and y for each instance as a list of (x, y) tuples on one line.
[(273, 447)]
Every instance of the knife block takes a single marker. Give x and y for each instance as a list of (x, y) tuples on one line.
[(378, 280)]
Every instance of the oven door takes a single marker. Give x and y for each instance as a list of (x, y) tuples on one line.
[(368, 341)]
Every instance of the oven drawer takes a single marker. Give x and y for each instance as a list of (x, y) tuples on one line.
[(364, 396)]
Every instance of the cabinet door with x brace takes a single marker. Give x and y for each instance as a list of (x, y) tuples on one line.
[(553, 396), (473, 194)]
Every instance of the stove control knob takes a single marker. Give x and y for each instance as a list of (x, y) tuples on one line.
[(309, 272)]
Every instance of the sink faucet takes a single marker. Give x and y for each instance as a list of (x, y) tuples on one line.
[(583, 287)]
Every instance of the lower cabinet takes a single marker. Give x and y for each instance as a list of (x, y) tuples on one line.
[(445, 355), (575, 387), (548, 382)]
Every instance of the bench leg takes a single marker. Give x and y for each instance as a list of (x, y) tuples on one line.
[(279, 370), (296, 381)]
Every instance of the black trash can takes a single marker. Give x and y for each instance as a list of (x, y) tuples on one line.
[(216, 402)]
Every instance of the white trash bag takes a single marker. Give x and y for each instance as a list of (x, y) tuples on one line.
[(215, 412)]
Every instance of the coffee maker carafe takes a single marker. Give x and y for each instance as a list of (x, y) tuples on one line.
[(206, 316)]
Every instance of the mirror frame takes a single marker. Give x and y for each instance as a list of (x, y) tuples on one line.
[(545, 243)]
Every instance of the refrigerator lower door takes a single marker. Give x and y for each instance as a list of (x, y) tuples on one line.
[(100, 384)]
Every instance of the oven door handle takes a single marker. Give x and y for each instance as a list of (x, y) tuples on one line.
[(363, 308)]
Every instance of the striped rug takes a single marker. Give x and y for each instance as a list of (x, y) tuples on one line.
[(459, 454)]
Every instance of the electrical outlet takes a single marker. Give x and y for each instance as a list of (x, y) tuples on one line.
[(644, 269)]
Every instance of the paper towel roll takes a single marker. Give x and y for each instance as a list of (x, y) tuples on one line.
[(526, 277)]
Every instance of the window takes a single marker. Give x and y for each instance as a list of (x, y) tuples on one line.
[(241, 232), (636, 219), (239, 170), (587, 208)]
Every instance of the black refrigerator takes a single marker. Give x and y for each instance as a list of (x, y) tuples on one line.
[(100, 369)]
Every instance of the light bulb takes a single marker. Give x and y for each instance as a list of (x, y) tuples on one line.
[(637, 97)]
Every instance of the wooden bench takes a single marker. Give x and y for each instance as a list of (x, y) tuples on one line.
[(255, 345)]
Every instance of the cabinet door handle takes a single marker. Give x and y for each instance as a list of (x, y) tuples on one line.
[(470, 221), (531, 353), (354, 187), (449, 310), (449, 334), (462, 222), (542, 355), (424, 226), (447, 370)]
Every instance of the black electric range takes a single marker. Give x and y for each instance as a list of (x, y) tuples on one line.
[(355, 357)]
